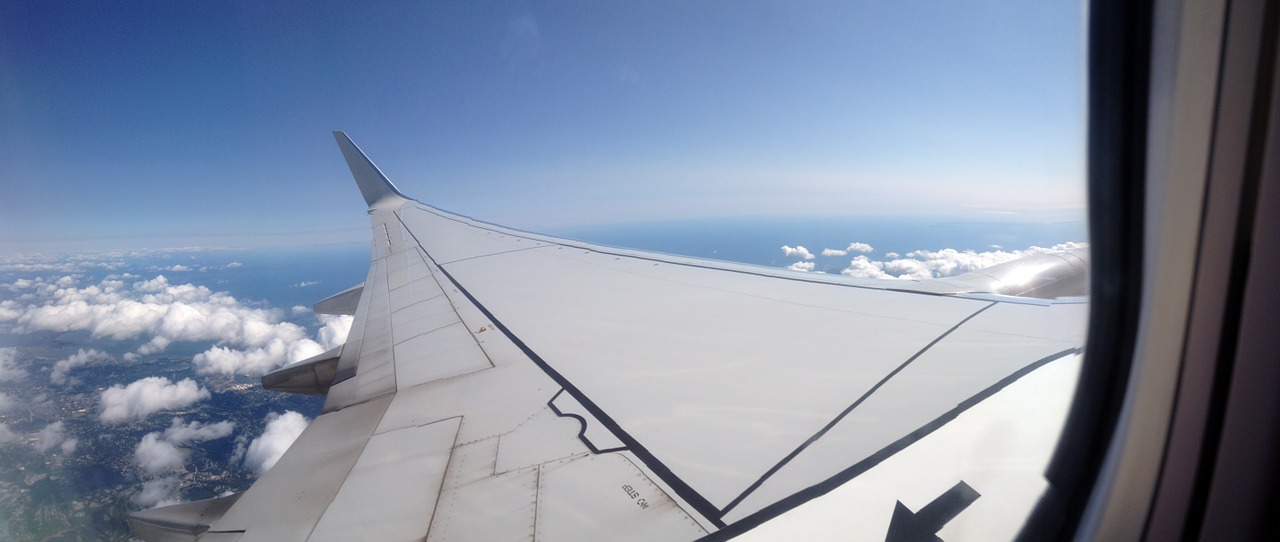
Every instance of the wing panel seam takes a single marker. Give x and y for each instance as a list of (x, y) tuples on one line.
[(822, 488), (794, 453), (682, 488)]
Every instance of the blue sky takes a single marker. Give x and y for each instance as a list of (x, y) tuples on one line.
[(152, 124)]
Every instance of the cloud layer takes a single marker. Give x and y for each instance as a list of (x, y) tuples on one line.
[(248, 339), (925, 264)]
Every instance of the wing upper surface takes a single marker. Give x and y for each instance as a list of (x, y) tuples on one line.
[(517, 385)]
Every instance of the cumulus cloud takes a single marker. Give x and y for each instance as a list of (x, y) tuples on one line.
[(853, 247), (333, 331), (55, 435), (84, 357), (159, 492), (154, 346), (159, 455), (143, 397), (306, 283), (9, 369), (801, 266), (277, 352), (281, 431), (260, 360), (9, 310), (234, 265), (863, 267), (247, 339), (182, 433), (797, 252), (925, 264), (159, 452), (155, 455)]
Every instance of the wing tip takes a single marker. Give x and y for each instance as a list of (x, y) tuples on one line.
[(378, 191)]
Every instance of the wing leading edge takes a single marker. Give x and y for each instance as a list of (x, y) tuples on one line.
[(501, 384)]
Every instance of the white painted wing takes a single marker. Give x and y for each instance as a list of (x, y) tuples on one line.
[(503, 385)]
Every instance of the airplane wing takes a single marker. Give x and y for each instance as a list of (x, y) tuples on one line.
[(499, 385)]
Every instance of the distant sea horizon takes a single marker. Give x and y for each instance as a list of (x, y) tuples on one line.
[(759, 240)]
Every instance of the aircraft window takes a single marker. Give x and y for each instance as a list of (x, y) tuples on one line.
[(813, 271)]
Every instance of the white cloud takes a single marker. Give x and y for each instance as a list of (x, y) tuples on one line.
[(143, 397), (797, 252), (281, 431), (334, 332), (260, 360), (9, 310), (155, 455), (159, 492), (156, 345), (182, 433), (222, 360), (158, 453), (159, 456), (55, 435), (306, 283), (234, 265), (247, 339), (862, 267), (801, 266), (925, 264), (237, 454), (9, 369), (59, 373), (853, 247), (6, 402)]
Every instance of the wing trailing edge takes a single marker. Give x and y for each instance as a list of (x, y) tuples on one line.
[(178, 522)]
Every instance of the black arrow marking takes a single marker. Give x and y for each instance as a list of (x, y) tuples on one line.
[(906, 526)]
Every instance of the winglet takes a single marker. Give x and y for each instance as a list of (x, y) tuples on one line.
[(378, 191)]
